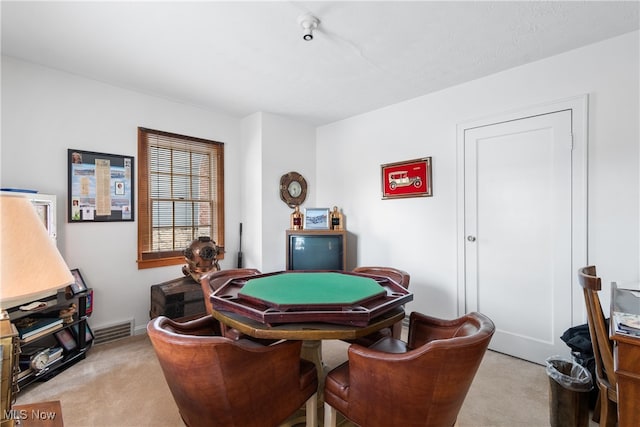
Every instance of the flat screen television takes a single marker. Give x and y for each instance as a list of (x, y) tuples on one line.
[(316, 250)]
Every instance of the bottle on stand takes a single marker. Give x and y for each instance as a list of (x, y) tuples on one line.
[(336, 219), (296, 219)]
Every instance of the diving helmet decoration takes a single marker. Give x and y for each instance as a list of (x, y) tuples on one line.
[(201, 257)]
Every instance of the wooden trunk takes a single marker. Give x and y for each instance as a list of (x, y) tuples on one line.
[(180, 299)]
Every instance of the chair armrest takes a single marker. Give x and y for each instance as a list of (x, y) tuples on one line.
[(378, 354), (251, 345), (423, 329), (389, 345), (203, 326)]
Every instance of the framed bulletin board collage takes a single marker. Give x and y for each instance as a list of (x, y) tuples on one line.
[(100, 187)]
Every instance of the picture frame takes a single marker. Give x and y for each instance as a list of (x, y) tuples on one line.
[(89, 305), (410, 178), (66, 339), (79, 285), (88, 337), (100, 187), (316, 219)]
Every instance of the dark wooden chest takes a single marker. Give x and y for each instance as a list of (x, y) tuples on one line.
[(180, 298)]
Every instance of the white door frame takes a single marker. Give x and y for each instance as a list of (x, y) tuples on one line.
[(579, 124)]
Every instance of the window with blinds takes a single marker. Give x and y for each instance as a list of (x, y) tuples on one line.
[(181, 195)]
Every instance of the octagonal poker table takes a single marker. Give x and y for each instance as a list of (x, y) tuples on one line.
[(336, 297)]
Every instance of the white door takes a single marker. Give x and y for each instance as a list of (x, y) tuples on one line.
[(518, 231)]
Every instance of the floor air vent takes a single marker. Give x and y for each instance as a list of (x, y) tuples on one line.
[(114, 332)]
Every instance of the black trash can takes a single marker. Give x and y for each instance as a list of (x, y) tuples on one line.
[(569, 386), (578, 339)]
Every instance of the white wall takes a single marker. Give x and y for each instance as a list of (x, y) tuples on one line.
[(251, 193), (419, 234), (274, 145), (45, 112), (287, 146)]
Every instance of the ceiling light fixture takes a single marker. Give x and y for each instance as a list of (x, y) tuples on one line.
[(308, 23)]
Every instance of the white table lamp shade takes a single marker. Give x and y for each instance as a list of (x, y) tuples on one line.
[(32, 266)]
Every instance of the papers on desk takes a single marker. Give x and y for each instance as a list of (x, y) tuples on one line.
[(626, 323), (625, 309)]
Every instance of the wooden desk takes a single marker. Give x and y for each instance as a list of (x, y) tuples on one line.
[(627, 365), (41, 414)]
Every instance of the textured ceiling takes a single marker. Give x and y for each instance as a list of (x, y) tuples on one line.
[(244, 57)]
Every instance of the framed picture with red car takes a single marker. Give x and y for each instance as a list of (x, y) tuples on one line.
[(410, 178)]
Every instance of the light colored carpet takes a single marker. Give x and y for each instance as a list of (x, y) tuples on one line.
[(121, 383)]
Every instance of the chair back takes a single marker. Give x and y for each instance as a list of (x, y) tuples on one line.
[(216, 381), (602, 346), (399, 276), (427, 385)]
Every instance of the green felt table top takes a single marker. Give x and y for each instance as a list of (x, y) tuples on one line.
[(312, 288)]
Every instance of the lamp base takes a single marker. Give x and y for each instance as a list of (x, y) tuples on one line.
[(8, 344)]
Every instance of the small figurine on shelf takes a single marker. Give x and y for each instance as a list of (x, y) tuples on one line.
[(66, 314), (296, 219), (336, 219)]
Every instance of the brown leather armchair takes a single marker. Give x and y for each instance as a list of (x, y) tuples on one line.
[(213, 280), (216, 381), (399, 276), (419, 383)]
